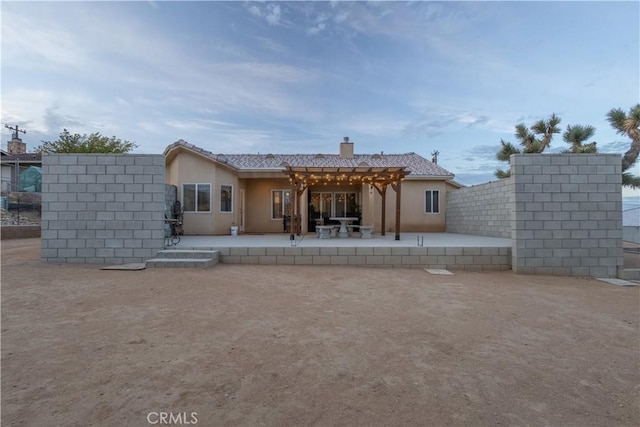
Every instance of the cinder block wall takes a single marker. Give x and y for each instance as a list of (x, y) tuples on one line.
[(102, 208), (483, 210), (568, 214)]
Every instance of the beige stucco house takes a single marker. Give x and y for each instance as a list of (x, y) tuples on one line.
[(258, 192)]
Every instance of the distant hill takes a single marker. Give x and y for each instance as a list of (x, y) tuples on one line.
[(631, 217), (630, 202)]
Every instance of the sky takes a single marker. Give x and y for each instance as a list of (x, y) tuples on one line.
[(297, 77)]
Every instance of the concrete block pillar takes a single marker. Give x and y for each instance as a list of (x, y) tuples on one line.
[(102, 208), (567, 216)]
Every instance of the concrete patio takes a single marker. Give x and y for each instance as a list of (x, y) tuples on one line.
[(310, 240), (413, 250)]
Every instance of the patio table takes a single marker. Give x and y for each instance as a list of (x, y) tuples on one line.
[(344, 221)]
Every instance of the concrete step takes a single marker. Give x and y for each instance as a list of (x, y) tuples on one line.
[(184, 258), (181, 262), (188, 253)]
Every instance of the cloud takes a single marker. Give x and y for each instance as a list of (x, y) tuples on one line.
[(436, 122), (341, 16), (410, 21), (237, 140), (270, 12), (167, 79), (255, 10), (272, 45), (386, 73), (614, 147), (368, 125), (273, 14), (44, 114), (319, 24), (317, 29), (187, 125), (71, 39), (27, 107), (47, 44), (428, 126), (56, 121), (261, 89), (150, 127), (481, 152), (472, 120)]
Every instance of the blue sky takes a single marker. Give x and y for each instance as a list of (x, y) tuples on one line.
[(287, 77)]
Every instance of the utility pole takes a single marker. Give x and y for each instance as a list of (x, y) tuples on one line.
[(434, 156), (16, 146), (15, 130)]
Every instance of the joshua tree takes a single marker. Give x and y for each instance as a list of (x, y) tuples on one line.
[(533, 140), (546, 128), (628, 124), (503, 155), (576, 136)]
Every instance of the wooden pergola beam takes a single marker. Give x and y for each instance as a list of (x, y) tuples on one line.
[(364, 174), (378, 177)]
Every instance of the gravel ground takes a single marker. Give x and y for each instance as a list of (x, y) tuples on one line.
[(295, 345)]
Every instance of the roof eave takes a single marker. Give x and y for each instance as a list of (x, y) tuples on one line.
[(260, 169), (175, 148), (416, 177)]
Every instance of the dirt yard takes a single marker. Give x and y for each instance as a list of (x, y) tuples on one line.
[(317, 346)]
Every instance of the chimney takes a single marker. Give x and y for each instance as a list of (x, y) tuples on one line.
[(346, 149), (16, 146)]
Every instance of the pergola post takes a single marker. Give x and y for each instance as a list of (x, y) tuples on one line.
[(382, 190), (296, 222), (397, 187), (292, 225), (299, 214)]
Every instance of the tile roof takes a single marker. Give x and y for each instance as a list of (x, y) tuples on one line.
[(413, 162), (24, 157)]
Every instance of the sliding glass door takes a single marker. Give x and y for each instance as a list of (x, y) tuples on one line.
[(330, 204)]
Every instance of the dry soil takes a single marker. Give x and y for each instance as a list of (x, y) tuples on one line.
[(296, 346)]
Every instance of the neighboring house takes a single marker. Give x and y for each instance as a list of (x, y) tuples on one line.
[(257, 192), (13, 165), (20, 173)]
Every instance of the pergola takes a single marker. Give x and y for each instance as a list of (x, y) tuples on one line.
[(302, 177)]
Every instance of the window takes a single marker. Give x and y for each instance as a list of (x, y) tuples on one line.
[(226, 198), (327, 204), (346, 204), (196, 197), (321, 204), (432, 201), (280, 203)]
